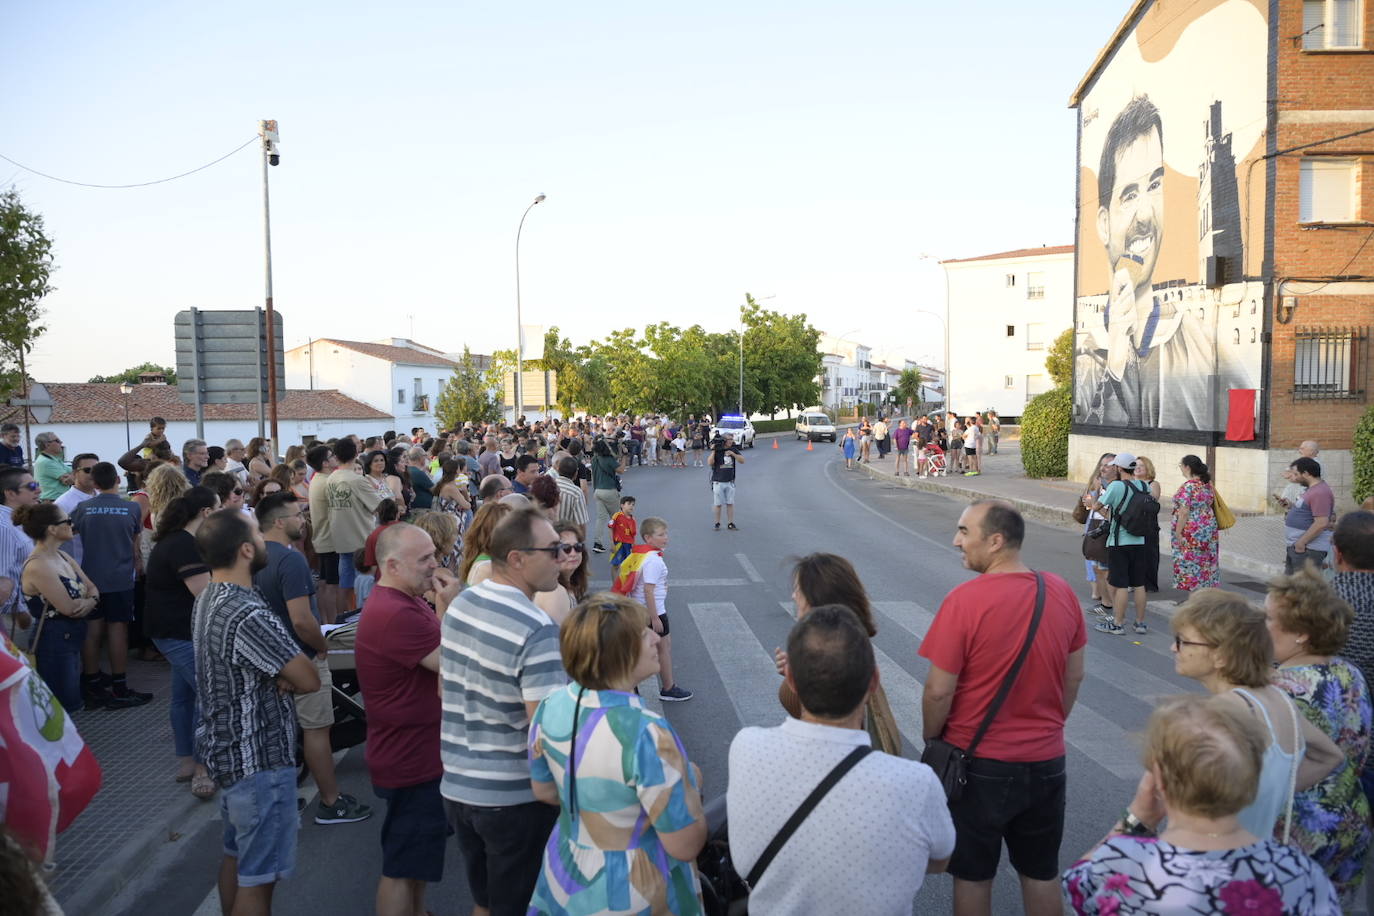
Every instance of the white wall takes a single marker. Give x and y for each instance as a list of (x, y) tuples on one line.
[(107, 439), (432, 379), (364, 378), (981, 307)]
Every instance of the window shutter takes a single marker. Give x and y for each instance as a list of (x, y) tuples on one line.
[(1326, 190), (1313, 17)]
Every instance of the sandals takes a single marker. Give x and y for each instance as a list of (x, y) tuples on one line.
[(203, 787)]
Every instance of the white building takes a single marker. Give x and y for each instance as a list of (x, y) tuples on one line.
[(848, 375), (91, 418), (1005, 310), (396, 376)]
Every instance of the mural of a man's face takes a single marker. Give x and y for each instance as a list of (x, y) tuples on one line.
[(1132, 225)]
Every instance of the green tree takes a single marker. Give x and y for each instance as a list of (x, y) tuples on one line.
[(782, 360), (908, 390), (131, 374), (467, 396), (1059, 359), (1045, 433), (26, 262)]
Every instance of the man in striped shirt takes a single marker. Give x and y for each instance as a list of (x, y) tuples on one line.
[(498, 659), (17, 488)]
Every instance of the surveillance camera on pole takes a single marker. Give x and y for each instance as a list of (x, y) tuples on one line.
[(270, 140)]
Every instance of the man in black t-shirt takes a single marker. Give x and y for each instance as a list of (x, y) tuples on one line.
[(725, 455), (11, 449)]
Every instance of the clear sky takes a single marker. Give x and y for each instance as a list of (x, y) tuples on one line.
[(808, 151)]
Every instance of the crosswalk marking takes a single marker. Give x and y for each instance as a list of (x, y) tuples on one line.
[(744, 665), (749, 569)]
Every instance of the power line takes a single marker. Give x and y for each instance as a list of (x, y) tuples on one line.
[(141, 184)]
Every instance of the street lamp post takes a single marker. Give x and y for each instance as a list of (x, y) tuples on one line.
[(271, 155), (945, 325), (519, 327), (126, 389)]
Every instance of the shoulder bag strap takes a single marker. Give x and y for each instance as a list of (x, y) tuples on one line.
[(812, 800), (1297, 758), (1010, 679)]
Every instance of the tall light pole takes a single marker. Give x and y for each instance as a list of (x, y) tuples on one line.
[(945, 325), (519, 327), (741, 360), (126, 389), (271, 155), (944, 322)]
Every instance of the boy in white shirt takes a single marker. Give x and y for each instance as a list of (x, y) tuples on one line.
[(651, 590)]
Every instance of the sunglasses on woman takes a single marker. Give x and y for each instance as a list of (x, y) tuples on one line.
[(571, 549)]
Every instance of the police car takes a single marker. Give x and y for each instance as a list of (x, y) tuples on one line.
[(737, 426)]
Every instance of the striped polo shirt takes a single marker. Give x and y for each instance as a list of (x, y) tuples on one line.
[(498, 651)]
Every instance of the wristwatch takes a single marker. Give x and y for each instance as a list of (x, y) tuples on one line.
[(1134, 826)]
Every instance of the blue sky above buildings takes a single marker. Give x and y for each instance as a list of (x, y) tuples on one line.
[(808, 151)]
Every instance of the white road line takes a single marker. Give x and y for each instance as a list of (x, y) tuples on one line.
[(749, 569), (943, 545), (1106, 743), (908, 615), (745, 667)]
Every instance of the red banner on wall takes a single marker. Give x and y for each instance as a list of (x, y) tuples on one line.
[(1240, 419)]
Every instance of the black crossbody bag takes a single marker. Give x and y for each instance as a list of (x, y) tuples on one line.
[(949, 762)]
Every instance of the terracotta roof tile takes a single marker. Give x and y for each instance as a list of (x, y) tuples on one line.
[(1018, 253), (102, 403), (406, 356)]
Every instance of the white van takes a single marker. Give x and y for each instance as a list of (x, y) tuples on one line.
[(813, 424)]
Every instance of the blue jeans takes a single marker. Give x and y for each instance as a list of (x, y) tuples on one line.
[(260, 825), (59, 659), (181, 654)]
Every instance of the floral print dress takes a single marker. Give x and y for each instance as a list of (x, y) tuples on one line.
[(1148, 875), (1331, 819), (630, 782), (1196, 553)]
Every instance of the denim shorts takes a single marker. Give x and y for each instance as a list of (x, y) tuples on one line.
[(260, 825), (1019, 803), (724, 492), (348, 573)]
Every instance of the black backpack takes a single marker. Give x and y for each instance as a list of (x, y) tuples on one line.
[(1139, 515)]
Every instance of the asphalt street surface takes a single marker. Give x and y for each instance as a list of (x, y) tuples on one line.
[(730, 604)]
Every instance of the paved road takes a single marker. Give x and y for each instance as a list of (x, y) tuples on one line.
[(730, 605)]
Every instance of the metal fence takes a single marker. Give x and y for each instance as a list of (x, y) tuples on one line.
[(1330, 364)]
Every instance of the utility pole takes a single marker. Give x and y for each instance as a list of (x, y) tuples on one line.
[(271, 155)]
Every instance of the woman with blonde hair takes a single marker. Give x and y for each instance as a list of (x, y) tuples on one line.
[(476, 565), (164, 484), (1145, 471), (631, 821), (1222, 642), (1308, 624), (1104, 472), (442, 529), (1181, 846)]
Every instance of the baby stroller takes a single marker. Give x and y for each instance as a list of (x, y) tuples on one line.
[(350, 719), (936, 465)]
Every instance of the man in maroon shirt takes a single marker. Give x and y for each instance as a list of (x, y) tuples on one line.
[(397, 655)]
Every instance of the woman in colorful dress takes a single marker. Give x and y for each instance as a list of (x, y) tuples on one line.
[(1308, 623), (631, 821), (1194, 536), (1180, 846)]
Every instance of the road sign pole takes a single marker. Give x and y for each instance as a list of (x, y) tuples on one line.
[(268, 145), (195, 373), (258, 326)]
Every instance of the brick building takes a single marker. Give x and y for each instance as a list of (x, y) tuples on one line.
[(1224, 282)]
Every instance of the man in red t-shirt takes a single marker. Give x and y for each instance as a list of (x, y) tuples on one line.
[(971, 645), (397, 655)]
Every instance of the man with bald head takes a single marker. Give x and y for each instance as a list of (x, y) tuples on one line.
[(494, 487), (397, 655)]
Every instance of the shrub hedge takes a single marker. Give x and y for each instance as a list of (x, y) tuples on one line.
[(1362, 453), (1045, 434)]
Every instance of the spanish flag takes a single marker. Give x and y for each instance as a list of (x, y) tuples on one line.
[(627, 574)]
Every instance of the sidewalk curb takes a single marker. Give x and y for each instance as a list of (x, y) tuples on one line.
[(129, 859), (1059, 516)]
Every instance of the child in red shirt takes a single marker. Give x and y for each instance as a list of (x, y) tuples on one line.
[(623, 530)]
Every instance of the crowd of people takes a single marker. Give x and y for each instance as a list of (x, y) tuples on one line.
[(944, 443), (503, 698)]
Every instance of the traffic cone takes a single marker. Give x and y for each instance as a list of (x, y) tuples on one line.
[(810, 446), (775, 443)]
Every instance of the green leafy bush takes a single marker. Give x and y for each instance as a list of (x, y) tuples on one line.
[(1362, 453), (774, 426), (1045, 434)]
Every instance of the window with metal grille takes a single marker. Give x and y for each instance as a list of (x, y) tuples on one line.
[(1330, 364), (1035, 284)]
